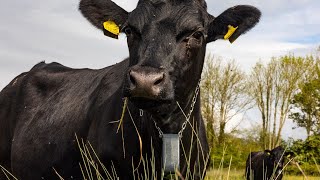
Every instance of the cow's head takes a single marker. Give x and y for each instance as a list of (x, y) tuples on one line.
[(167, 44), (276, 159)]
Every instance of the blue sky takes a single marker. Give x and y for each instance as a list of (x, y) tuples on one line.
[(37, 30)]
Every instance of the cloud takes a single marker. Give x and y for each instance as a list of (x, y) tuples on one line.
[(52, 31), (252, 119), (248, 51)]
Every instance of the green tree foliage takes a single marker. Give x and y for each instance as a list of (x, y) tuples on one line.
[(237, 147), (308, 150), (306, 103), (307, 154)]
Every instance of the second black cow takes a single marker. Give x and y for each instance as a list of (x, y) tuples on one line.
[(267, 165), (42, 110)]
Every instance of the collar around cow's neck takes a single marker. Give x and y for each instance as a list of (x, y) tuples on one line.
[(187, 116)]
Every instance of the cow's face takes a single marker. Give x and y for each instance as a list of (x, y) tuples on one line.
[(276, 160), (167, 44)]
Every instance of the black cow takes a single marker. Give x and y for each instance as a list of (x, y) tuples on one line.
[(266, 165), (43, 109)]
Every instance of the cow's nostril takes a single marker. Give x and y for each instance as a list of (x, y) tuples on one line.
[(159, 80), (132, 79)]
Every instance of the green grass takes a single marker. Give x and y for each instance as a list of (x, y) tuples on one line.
[(90, 168), (223, 174), (299, 178), (239, 175)]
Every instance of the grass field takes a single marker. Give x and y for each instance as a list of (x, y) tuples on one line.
[(239, 175)]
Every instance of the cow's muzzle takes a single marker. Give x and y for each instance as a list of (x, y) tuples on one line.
[(147, 82)]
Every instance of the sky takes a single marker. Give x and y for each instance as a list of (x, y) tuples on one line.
[(37, 30)]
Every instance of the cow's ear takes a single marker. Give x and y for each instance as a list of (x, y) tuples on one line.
[(267, 152), (105, 15), (233, 22)]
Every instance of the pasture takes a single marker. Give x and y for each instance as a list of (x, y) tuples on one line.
[(233, 174), (225, 171), (239, 175)]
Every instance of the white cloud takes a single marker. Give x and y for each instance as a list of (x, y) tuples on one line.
[(247, 51), (252, 118)]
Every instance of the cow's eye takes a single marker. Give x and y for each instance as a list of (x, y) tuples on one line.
[(127, 30), (197, 34)]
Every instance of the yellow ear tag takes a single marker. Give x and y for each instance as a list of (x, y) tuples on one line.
[(289, 155), (112, 27), (268, 153), (231, 31)]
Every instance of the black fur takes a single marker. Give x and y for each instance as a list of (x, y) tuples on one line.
[(266, 165)]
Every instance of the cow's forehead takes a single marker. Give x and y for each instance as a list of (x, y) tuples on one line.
[(173, 2), (175, 14), (278, 151)]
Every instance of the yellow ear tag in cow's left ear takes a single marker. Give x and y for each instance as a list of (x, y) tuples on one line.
[(230, 32), (268, 153), (111, 27)]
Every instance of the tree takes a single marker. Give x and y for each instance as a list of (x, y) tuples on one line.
[(273, 86), (307, 151), (262, 87), (223, 93), (306, 104)]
